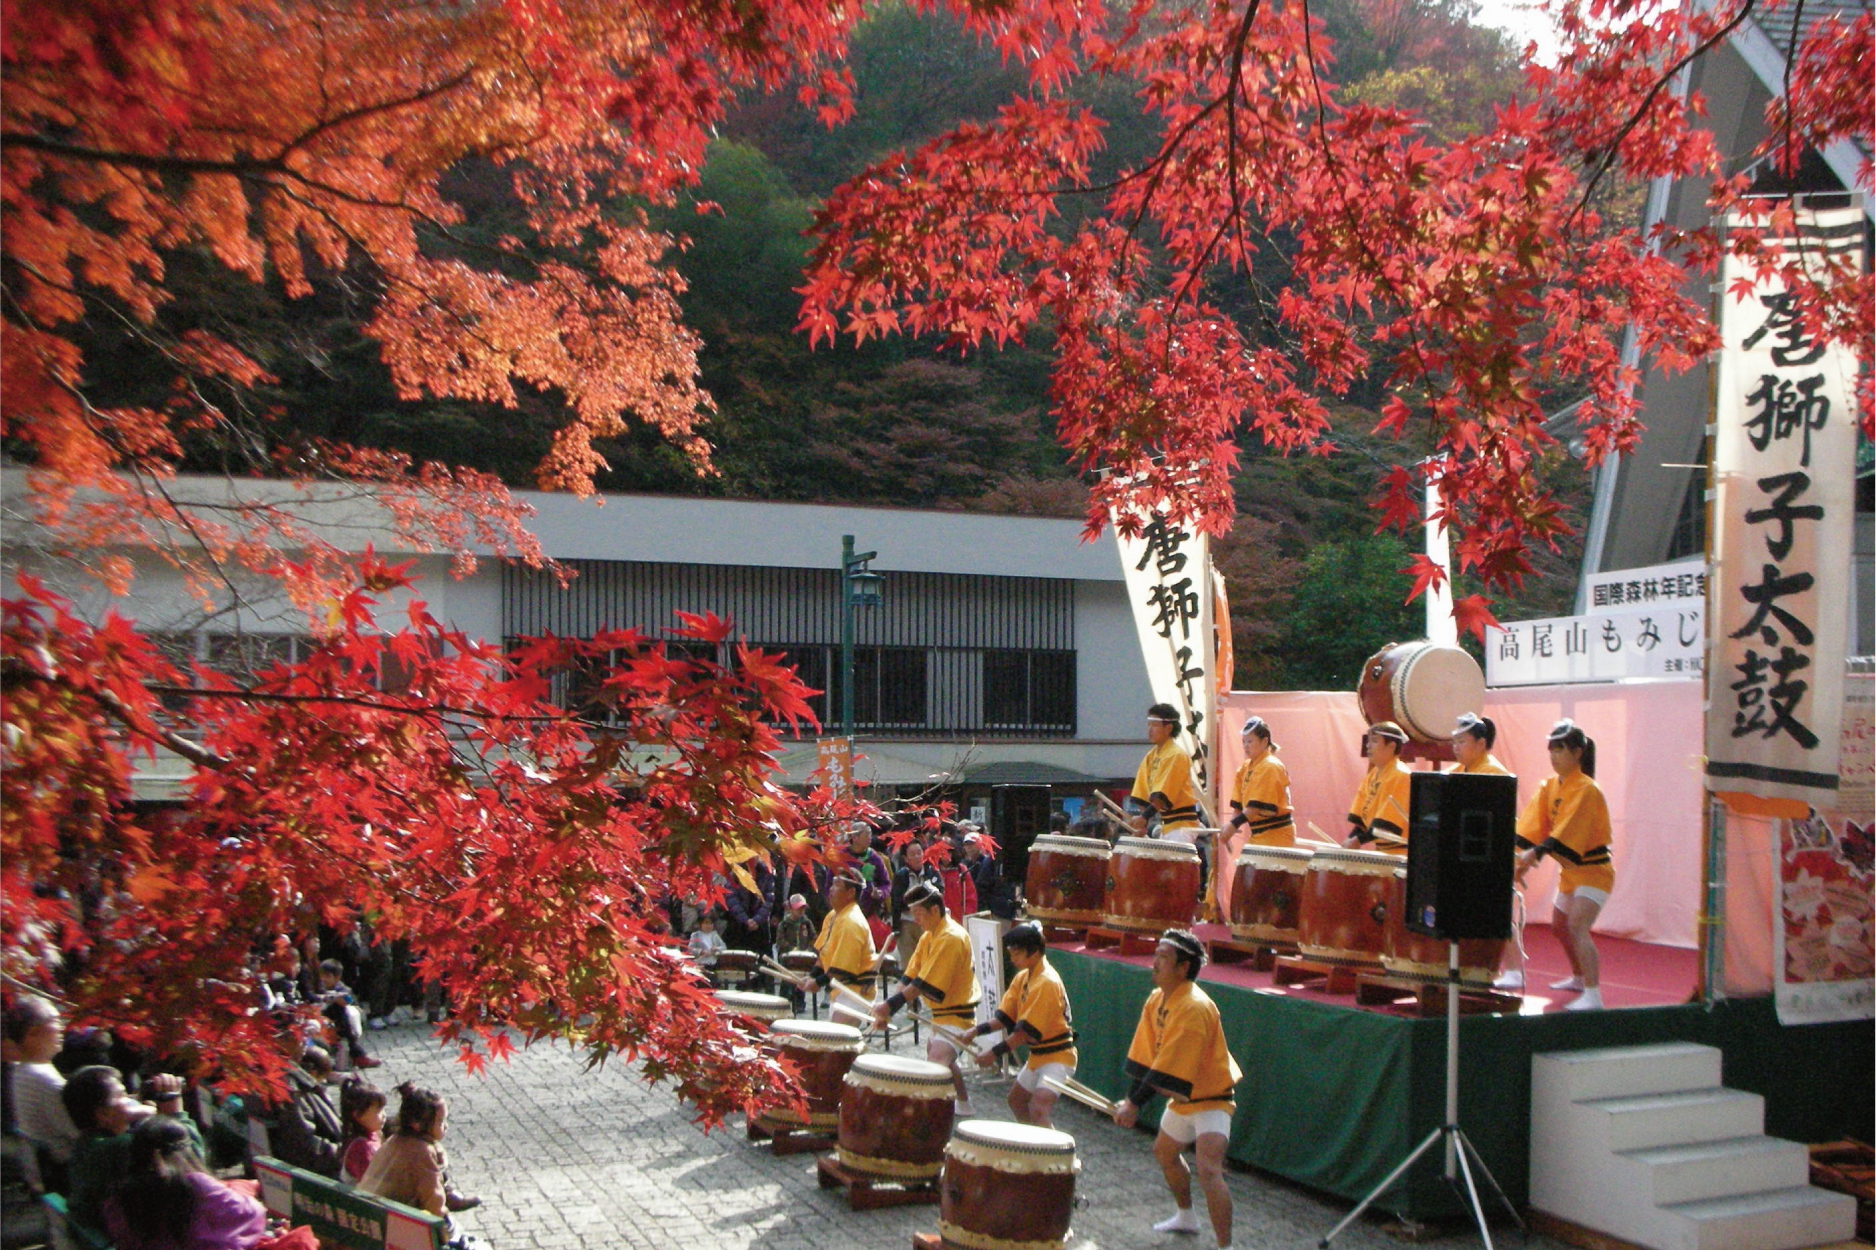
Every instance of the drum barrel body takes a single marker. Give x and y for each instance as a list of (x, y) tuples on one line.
[(800, 961), (1067, 879), (1405, 953), (892, 1126), (1151, 886), (1421, 686), (1343, 917), (994, 1197), (822, 1058), (1267, 894)]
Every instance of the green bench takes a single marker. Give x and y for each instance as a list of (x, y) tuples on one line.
[(341, 1216)]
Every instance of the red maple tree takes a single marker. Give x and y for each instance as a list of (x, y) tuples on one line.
[(512, 843)]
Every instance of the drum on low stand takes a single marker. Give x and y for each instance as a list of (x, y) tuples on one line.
[(1423, 687), (801, 962), (1405, 953), (1267, 893), (1006, 1185), (1067, 879), (767, 1008), (737, 967), (1343, 916), (1152, 886), (895, 1117), (822, 1051)]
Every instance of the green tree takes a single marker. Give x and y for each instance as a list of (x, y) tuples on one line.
[(1346, 606)]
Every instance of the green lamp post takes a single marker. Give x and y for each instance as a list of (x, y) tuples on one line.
[(859, 587)]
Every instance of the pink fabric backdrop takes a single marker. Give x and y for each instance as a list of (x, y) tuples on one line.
[(1648, 747)]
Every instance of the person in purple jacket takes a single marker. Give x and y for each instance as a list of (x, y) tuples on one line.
[(167, 1200)]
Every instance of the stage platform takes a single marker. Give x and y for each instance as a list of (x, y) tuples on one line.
[(1335, 1095)]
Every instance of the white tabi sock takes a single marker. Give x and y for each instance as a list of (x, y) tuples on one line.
[(1184, 1220)]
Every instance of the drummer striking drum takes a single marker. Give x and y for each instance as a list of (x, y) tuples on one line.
[(1179, 1050), (943, 974), (845, 944), (1034, 1013), (1380, 804), (1164, 782), (1260, 795)]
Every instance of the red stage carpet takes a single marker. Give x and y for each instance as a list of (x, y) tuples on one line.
[(1634, 974)]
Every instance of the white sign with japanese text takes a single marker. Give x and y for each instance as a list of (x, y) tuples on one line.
[(1784, 449), (1656, 588), (1666, 642), (1168, 573)]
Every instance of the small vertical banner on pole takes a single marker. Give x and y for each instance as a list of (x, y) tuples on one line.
[(1168, 574), (834, 761), (1784, 453)]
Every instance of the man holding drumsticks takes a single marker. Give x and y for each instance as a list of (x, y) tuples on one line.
[(942, 973), (845, 944), (1034, 1013), (1163, 785), (1179, 1050), (1381, 800)]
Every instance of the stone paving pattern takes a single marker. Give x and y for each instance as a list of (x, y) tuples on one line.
[(570, 1159)]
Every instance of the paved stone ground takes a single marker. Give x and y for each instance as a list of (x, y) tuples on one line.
[(567, 1159)]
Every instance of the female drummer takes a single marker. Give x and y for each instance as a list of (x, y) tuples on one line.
[(1034, 1014), (1260, 795), (1473, 739), (1380, 804), (1569, 819)]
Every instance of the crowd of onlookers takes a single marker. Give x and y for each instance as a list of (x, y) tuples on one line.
[(137, 1166), (771, 908)]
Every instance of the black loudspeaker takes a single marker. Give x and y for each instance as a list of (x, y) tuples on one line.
[(1460, 855), (1017, 815)]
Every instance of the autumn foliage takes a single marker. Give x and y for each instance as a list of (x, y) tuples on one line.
[(1279, 244)]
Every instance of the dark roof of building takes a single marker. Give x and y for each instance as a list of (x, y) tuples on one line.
[(1027, 772)]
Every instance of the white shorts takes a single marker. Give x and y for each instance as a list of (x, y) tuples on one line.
[(1188, 1128), (1587, 892), (1031, 1078)]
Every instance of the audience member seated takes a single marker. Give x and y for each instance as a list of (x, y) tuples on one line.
[(306, 1131), (104, 1115), (34, 1032), (340, 1006), (361, 1106), (166, 1200), (410, 1166)]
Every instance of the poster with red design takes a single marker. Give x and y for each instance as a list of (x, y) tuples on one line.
[(1822, 957)]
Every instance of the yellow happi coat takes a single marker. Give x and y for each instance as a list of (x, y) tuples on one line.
[(1179, 1050), (945, 975), (845, 946), (1034, 1012)]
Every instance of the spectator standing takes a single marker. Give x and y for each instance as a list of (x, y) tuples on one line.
[(746, 922), (916, 871), (874, 872), (796, 932)]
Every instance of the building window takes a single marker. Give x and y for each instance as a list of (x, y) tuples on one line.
[(888, 687), (1029, 690)]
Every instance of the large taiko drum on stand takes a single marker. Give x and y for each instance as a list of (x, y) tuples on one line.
[(1067, 879), (895, 1117), (1343, 917), (1006, 1185), (1405, 953), (822, 1051), (767, 1008), (1422, 687), (1152, 886), (1267, 893)]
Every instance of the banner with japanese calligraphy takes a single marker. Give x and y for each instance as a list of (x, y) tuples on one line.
[(1168, 574), (1660, 642), (1784, 448), (1823, 965)]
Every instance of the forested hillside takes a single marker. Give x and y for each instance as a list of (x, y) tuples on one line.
[(893, 422)]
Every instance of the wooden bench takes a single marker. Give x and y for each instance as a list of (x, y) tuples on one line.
[(341, 1216)]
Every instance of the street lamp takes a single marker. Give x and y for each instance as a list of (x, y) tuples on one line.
[(859, 587)]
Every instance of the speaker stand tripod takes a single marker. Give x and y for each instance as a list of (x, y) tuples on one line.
[(1449, 1134)]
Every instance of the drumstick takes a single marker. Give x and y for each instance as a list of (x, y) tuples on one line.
[(1388, 839), (1081, 1094), (776, 970), (1321, 838), (1089, 1090), (1112, 808), (949, 1034)]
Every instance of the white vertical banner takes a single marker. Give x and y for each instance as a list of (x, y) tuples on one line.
[(986, 935), (1168, 573), (1784, 450)]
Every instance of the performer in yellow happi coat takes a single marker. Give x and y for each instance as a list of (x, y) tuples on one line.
[(844, 945), (1179, 1050), (1260, 794), (1381, 800), (1569, 819), (1163, 784), (1034, 1014), (943, 975), (1473, 739)]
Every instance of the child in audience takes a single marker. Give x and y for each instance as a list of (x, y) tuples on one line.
[(361, 1106), (338, 1005), (706, 944)]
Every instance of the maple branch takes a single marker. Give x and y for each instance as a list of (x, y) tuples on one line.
[(1613, 149)]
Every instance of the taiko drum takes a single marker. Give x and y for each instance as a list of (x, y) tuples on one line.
[(822, 1051), (1343, 917), (1421, 686), (768, 1008), (895, 1117), (1405, 953), (1006, 1185), (1067, 879), (1267, 893), (1152, 885), (737, 967)]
